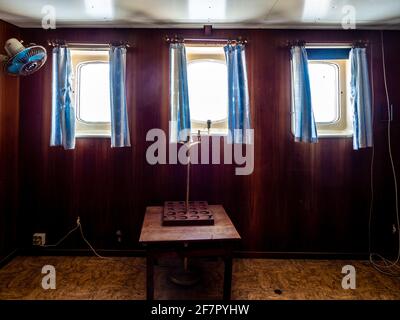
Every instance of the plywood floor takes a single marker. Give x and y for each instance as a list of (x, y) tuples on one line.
[(124, 278)]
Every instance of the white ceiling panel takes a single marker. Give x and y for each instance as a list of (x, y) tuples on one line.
[(381, 14), (331, 13)]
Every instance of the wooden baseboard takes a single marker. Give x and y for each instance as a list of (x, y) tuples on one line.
[(80, 252), (236, 254), (301, 255), (7, 258)]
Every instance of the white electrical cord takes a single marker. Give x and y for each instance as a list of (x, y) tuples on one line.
[(78, 226), (62, 239), (389, 267)]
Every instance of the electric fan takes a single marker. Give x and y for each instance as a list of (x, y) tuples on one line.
[(21, 61)]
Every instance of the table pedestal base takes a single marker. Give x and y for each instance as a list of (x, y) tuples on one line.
[(185, 278)]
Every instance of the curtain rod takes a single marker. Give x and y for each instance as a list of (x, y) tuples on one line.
[(176, 39), (353, 44), (55, 43)]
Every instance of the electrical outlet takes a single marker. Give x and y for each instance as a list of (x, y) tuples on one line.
[(119, 236), (39, 239)]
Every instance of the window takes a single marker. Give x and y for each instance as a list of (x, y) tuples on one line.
[(329, 72), (324, 79), (208, 88), (92, 92)]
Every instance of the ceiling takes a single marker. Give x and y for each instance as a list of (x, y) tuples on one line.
[(329, 14)]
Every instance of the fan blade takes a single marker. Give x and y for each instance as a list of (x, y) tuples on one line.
[(36, 57), (21, 57), (15, 68)]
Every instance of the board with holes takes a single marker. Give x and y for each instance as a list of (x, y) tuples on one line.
[(198, 214)]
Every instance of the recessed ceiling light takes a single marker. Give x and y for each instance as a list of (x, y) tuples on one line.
[(100, 8), (207, 10)]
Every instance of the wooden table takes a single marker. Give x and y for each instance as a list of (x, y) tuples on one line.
[(200, 241)]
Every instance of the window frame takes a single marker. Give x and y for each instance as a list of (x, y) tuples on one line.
[(343, 127), (220, 127), (85, 129)]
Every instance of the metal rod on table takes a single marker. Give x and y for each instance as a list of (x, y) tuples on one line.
[(188, 180), (189, 146)]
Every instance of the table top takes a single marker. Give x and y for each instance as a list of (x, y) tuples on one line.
[(153, 231)]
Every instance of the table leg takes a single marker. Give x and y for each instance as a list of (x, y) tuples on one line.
[(227, 278), (150, 276)]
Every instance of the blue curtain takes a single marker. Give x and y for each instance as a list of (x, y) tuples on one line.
[(361, 99), (238, 95), (305, 127), (179, 94), (63, 109), (119, 116)]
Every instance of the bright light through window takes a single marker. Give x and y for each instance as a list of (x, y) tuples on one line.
[(94, 92), (208, 90), (324, 79)]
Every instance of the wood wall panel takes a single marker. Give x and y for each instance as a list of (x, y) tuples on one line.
[(300, 198), (9, 120)]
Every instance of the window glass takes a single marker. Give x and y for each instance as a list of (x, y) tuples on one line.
[(208, 90), (94, 92), (325, 91)]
